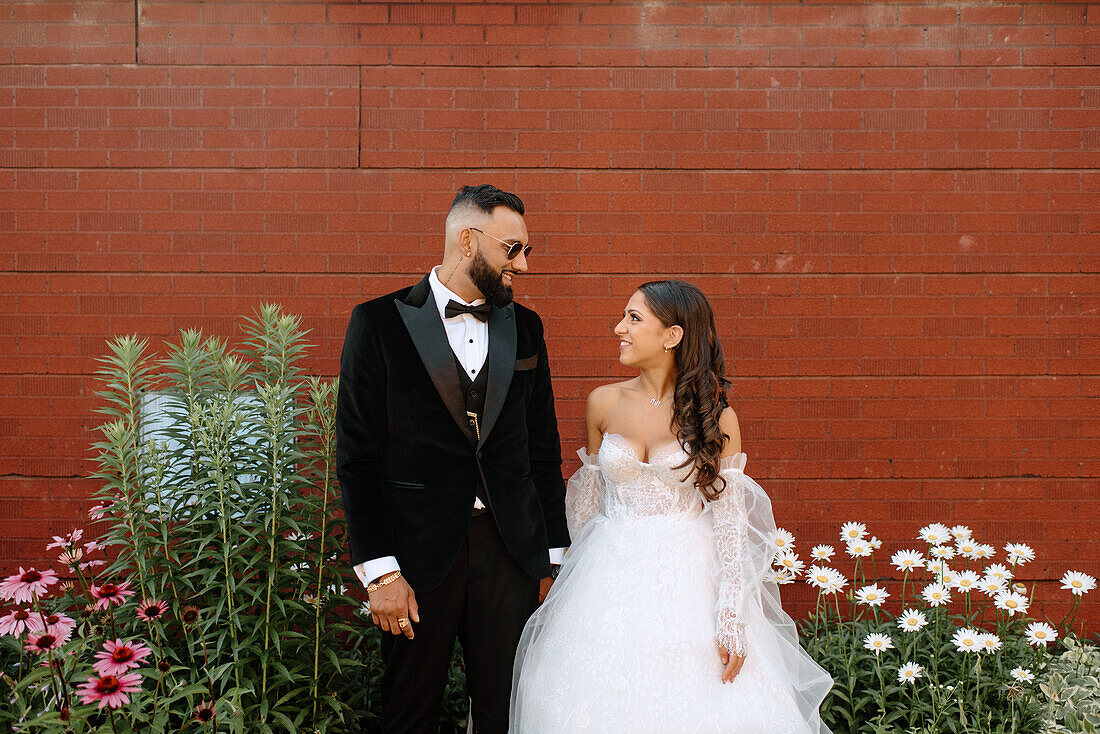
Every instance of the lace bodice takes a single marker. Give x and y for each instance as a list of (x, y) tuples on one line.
[(619, 485)]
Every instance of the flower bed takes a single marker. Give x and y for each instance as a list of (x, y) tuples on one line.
[(950, 649)]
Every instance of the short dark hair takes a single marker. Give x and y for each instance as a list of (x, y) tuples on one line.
[(487, 197)]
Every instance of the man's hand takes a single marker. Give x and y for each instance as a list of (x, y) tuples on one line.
[(393, 603), (733, 663)]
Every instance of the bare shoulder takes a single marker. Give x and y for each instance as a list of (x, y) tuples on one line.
[(602, 399), (727, 421)]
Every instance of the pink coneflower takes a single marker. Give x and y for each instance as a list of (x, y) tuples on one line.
[(97, 512), (109, 690), (189, 615), (71, 556), (67, 541), (27, 585), (92, 564), (204, 712), (41, 643), (150, 609), (59, 624), (110, 593), (19, 621), (118, 657), (92, 546)]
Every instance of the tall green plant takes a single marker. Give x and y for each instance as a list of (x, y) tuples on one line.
[(220, 549)]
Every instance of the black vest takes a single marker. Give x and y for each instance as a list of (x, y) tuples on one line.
[(473, 393)]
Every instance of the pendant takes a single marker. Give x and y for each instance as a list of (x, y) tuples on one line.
[(655, 402)]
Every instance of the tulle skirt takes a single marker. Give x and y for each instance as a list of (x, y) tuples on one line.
[(625, 642)]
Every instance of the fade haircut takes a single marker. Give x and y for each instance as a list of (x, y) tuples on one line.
[(485, 198)]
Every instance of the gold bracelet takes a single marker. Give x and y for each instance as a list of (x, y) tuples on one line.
[(386, 580)]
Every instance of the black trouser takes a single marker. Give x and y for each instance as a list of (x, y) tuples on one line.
[(483, 602)]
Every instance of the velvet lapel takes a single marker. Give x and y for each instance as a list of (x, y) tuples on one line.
[(501, 364), (421, 318)]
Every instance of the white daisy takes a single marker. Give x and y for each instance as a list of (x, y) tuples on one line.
[(966, 547), (960, 532), (909, 673), (872, 596), (877, 643), (936, 594), (1078, 583), (858, 548), (998, 571), (948, 578), (935, 534), (967, 640), (852, 531), (783, 539), (1019, 553), (984, 550), (819, 576), (789, 561), (992, 587), (943, 552), (837, 583), (828, 580), (907, 560), (781, 576), (912, 620), (1022, 674), (989, 642), (1040, 633), (822, 552), (938, 566), (1011, 602), (966, 581), (875, 542)]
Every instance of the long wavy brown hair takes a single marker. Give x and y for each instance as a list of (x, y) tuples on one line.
[(700, 394)]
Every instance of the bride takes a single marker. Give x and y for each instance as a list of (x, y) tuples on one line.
[(663, 618)]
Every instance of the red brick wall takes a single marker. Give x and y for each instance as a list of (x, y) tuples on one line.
[(893, 208)]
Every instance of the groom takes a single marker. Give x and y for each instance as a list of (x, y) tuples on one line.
[(450, 466)]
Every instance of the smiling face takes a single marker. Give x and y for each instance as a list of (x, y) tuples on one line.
[(490, 269), (642, 336)]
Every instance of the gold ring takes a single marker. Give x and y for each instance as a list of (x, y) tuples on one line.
[(403, 622)]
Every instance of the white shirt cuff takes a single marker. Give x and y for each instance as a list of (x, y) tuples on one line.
[(368, 571), (557, 555)]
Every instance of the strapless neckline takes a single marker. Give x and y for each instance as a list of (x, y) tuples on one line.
[(668, 450)]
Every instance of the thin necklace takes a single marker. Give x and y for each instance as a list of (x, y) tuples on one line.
[(655, 402)]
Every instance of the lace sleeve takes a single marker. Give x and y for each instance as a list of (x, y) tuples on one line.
[(731, 535), (583, 493)]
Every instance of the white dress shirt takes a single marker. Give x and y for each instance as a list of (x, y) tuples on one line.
[(469, 340)]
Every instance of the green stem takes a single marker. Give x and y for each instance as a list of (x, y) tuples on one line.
[(325, 485), (272, 529)]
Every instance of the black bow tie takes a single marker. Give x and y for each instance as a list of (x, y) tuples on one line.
[(454, 308)]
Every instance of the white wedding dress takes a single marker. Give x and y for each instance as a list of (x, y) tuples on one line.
[(626, 641)]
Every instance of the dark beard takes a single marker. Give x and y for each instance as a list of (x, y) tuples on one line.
[(489, 283)]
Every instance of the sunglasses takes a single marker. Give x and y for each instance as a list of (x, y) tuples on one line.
[(514, 248)]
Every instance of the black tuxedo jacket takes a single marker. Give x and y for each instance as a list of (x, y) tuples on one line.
[(408, 460)]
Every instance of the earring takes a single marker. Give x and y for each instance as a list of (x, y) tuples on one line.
[(666, 350)]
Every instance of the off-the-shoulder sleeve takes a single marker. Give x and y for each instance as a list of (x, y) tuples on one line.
[(583, 493), (731, 535)]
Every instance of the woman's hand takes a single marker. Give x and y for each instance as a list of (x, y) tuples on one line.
[(732, 661)]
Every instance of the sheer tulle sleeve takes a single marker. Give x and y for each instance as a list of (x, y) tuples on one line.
[(731, 536), (583, 493)]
